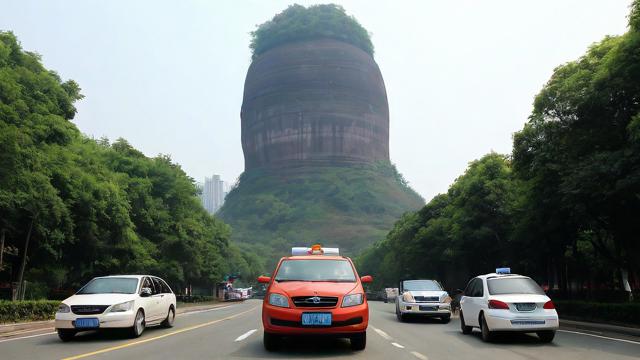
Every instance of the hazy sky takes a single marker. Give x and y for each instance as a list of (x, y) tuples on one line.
[(168, 76)]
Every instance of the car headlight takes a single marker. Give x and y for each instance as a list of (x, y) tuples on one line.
[(278, 300), (352, 300), (447, 299), (407, 297), (122, 307), (63, 308)]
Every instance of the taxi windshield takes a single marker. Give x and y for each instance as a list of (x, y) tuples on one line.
[(421, 285), (316, 270), (110, 286), (513, 286)]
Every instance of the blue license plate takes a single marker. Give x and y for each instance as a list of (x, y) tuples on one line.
[(527, 322), (87, 323), (428, 308), (316, 319)]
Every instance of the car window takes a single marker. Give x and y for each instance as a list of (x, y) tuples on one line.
[(157, 286), (479, 288), (421, 285), (146, 283), (468, 291), (316, 270), (111, 285), (513, 286), (165, 288)]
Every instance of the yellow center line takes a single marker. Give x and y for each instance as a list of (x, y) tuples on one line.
[(133, 343)]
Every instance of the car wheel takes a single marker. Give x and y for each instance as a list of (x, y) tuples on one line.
[(271, 341), (399, 314), (486, 333), (359, 341), (546, 336), (66, 334), (445, 319), (463, 326), (171, 316), (138, 324)]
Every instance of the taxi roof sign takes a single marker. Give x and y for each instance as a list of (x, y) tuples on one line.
[(505, 270), (314, 250)]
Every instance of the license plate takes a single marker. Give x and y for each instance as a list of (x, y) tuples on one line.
[(428, 308), (527, 322), (525, 306), (87, 323), (316, 319)]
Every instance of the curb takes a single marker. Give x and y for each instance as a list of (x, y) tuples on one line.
[(583, 325)]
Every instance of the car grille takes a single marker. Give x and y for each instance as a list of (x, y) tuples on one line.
[(315, 301), (426, 298), (525, 306), (88, 309)]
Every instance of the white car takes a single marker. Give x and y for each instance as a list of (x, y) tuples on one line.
[(121, 301), (424, 298), (507, 302)]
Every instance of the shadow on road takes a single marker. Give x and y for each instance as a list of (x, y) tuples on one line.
[(305, 347)]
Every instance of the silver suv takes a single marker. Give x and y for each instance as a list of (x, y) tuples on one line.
[(423, 298)]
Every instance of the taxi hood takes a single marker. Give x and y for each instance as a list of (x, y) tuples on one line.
[(308, 288)]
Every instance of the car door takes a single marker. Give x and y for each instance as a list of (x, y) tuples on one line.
[(159, 310), (470, 308), (147, 302)]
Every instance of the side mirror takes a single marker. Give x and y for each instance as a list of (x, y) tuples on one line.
[(366, 279), (145, 292), (264, 279)]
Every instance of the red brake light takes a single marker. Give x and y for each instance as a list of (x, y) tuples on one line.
[(497, 304), (549, 305)]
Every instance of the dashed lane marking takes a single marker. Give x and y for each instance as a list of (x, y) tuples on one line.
[(382, 333), (133, 343), (397, 345), (246, 335), (419, 356), (601, 337)]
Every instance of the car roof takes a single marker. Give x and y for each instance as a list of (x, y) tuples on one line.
[(315, 257), (124, 276), (500, 276)]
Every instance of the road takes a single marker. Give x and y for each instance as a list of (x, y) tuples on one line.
[(235, 331)]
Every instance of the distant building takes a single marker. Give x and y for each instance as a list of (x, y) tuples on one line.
[(213, 193)]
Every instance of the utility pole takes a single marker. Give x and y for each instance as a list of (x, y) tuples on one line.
[(24, 258)]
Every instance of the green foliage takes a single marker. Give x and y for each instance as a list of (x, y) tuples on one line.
[(298, 23), (624, 313), (95, 208), (350, 207), (18, 311)]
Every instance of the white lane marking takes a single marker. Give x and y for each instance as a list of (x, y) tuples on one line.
[(419, 356), (206, 310), (382, 333), (601, 337), (397, 345), (27, 337), (246, 335)]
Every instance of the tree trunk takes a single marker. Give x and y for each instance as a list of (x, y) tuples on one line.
[(24, 257), (1, 247)]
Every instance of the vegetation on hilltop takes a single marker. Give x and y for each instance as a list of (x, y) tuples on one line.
[(297, 23), (72, 207), (347, 206), (564, 209)]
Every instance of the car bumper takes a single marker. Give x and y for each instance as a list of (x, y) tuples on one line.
[(499, 321), (107, 320), (426, 309), (288, 321)]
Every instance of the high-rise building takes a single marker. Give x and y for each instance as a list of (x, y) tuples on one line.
[(213, 193)]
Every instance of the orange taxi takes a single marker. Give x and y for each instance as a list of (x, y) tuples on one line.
[(315, 292)]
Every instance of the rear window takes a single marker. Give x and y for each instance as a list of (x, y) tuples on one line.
[(316, 270), (110, 286), (513, 286), (421, 285)]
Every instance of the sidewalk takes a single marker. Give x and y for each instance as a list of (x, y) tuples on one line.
[(599, 328), (36, 327)]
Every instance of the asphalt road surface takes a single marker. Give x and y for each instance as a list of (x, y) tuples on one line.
[(235, 332)]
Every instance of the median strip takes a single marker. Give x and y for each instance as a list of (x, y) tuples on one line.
[(133, 343)]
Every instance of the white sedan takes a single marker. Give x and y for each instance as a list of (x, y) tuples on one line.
[(507, 302), (122, 301)]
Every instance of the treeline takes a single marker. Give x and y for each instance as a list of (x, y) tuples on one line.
[(72, 207), (564, 207), (297, 23)]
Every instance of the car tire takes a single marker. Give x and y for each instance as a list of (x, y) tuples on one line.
[(401, 317), (445, 319), (487, 335), (271, 342), (171, 316), (463, 326), (359, 341), (546, 336), (66, 334), (138, 324)]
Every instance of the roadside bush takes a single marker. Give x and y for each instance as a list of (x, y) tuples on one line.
[(29, 310), (194, 298), (618, 313)]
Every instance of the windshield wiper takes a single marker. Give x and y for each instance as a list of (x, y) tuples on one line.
[(284, 280)]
